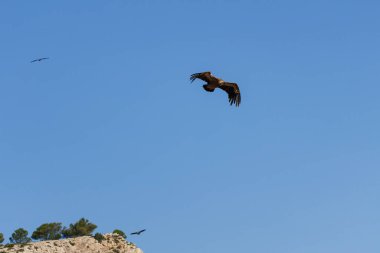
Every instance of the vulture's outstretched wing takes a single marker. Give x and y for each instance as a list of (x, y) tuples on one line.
[(205, 76), (233, 91)]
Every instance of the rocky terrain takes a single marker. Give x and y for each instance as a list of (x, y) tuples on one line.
[(112, 243)]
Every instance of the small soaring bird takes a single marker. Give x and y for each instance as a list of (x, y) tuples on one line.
[(138, 232), (39, 59), (213, 82)]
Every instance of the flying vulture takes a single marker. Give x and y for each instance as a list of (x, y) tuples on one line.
[(138, 232), (39, 59), (213, 82)]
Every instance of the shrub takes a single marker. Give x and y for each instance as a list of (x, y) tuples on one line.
[(1, 238), (119, 232), (99, 237), (48, 231), (80, 228), (20, 236)]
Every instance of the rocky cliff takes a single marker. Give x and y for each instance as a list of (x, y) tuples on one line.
[(112, 243)]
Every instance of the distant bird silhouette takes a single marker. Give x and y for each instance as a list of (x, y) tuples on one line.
[(39, 59), (138, 232), (213, 82)]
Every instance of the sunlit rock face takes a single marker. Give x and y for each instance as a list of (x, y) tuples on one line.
[(112, 243)]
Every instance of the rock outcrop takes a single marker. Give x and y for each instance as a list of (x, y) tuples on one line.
[(112, 243)]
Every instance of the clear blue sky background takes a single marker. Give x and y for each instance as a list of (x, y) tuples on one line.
[(111, 129)]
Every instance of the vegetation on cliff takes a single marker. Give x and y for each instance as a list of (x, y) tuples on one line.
[(55, 231), (81, 228), (48, 231), (20, 236)]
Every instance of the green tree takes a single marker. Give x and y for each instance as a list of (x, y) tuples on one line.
[(1, 238), (48, 231), (119, 232), (99, 237), (20, 236), (80, 228)]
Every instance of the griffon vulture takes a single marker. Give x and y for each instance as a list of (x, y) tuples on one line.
[(138, 232), (39, 59), (213, 82)]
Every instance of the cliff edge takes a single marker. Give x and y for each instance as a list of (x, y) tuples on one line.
[(112, 243)]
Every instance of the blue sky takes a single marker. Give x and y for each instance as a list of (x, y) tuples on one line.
[(110, 128)]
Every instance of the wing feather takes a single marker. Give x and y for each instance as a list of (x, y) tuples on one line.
[(233, 92), (205, 76)]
